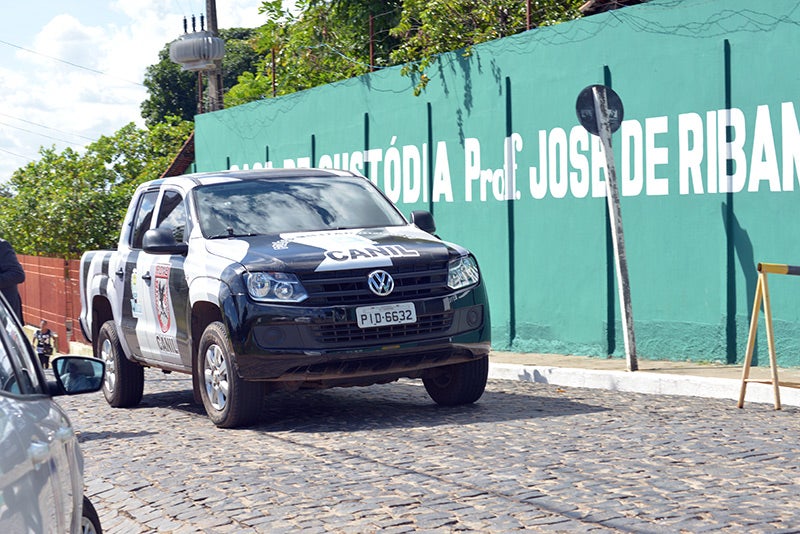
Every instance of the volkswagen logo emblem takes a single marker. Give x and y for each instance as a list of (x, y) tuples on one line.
[(380, 283)]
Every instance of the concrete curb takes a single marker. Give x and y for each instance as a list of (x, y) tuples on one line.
[(639, 382), (643, 382)]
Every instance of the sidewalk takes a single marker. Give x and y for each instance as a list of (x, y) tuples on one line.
[(653, 377), (691, 379)]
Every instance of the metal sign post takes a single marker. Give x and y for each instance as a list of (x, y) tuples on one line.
[(600, 111)]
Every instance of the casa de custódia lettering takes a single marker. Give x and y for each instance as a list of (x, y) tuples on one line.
[(282, 279), (718, 151)]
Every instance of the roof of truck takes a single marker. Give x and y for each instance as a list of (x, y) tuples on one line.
[(205, 178)]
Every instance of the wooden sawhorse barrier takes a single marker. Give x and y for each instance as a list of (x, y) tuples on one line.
[(762, 295)]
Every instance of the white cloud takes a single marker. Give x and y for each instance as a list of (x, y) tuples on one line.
[(66, 38), (120, 39)]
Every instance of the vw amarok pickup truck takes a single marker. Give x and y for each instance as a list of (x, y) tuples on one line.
[(254, 281)]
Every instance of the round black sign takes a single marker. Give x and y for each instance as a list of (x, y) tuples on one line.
[(584, 107)]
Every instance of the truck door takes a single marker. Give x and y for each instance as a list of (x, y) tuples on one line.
[(164, 332), (133, 285)]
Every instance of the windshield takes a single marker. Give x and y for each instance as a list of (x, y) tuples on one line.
[(278, 205)]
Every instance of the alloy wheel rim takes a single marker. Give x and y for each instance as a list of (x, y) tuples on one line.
[(107, 355), (215, 375), (86, 526)]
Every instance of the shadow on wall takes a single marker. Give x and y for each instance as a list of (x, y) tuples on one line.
[(738, 246)]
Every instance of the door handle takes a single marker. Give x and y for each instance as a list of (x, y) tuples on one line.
[(39, 452), (146, 277), (64, 433), (120, 272)]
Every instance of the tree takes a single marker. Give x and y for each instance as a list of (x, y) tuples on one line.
[(428, 28), (64, 204), (173, 92), (240, 54), (329, 40)]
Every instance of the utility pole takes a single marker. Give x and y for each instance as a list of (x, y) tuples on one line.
[(528, 14), (371, 43), (202, 52), (274, 87), (215, 75)]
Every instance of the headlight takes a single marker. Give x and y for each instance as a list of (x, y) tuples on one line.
[(275, 287), (462, 272)]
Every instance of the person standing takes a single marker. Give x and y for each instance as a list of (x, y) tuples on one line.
[(43, 339), (11, 275)]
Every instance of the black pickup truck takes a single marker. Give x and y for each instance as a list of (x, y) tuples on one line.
[(253, 281)]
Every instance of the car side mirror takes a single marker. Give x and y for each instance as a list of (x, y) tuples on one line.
[(78, 374), (423, 220), (163, 241)]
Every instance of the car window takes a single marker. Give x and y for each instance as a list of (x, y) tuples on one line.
[(272, 206), (143, 218), (17, 370), (7, 372), (172, 214)]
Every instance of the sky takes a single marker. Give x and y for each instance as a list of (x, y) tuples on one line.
[(72, 70)]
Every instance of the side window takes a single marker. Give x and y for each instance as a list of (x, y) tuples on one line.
[(172, 214), (17, 369), (7, 373), (144, 215)]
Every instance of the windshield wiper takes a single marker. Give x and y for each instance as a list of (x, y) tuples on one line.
[(230, 233)]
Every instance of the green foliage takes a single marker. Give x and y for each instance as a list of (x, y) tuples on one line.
[(250, 87), (240, 54), (328, 41), (428, 28), (64, 204), (171, 91)]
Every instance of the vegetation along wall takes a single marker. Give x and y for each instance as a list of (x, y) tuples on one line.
[(708, 162)]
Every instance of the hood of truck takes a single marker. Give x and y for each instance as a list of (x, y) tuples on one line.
[(334, 250)]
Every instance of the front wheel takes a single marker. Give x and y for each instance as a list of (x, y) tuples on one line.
[(229, 401), (124, 381), (460, 383), (90, 521)]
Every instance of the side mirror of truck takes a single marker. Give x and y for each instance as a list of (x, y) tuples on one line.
[(162, 241), (424, 221)]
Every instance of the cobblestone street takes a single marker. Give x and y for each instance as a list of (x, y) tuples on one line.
[(385, 458)]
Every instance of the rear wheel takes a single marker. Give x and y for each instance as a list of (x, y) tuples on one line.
[(124, 381), (460, 383), (90, 522), (229, 401)]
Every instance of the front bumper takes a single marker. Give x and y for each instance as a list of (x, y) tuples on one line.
[(297, 343)]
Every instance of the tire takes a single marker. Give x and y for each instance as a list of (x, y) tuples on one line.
[(461, 383), (124, 381), (90, 521), (229, 400)]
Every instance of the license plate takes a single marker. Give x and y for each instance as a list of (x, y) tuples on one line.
[(386, 315)]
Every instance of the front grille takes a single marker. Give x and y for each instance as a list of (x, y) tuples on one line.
[(411, 282), (332, 334)]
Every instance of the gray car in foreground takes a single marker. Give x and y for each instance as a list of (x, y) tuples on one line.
[(41, 466)]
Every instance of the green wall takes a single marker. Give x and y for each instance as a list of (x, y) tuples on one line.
[(710, 95)]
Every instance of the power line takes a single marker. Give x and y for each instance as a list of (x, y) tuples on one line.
[(41, 134), (69, 63), (47, 127), (17, 155)]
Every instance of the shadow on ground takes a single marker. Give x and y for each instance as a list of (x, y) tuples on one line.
[(404, 404), (89, 436)]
